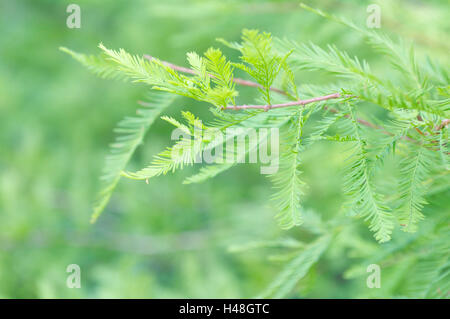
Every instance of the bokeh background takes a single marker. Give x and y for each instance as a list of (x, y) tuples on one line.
[(164, 239)]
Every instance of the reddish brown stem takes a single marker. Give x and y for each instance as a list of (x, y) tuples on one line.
[(443, 124), (275, 106), (299, 102), (235, 80)]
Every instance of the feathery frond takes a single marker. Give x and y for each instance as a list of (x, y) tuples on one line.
[(229, 160), (296, 269), (417, 100), (259, 59), (131, 132), (366, 201), (313, 58), (415, 169), (287, 182), (99, 65)]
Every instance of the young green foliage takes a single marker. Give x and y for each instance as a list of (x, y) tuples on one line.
[(416, 167), (358, 185), (259, 59), (130, 134), (416, 100), (296, 269), (288, 186)]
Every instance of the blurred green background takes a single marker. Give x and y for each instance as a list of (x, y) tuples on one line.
[(165, 239)]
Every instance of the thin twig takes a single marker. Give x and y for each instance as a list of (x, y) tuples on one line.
[(443, 124), (235, 80), (299, 102), (361, 121), (274, 106)]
